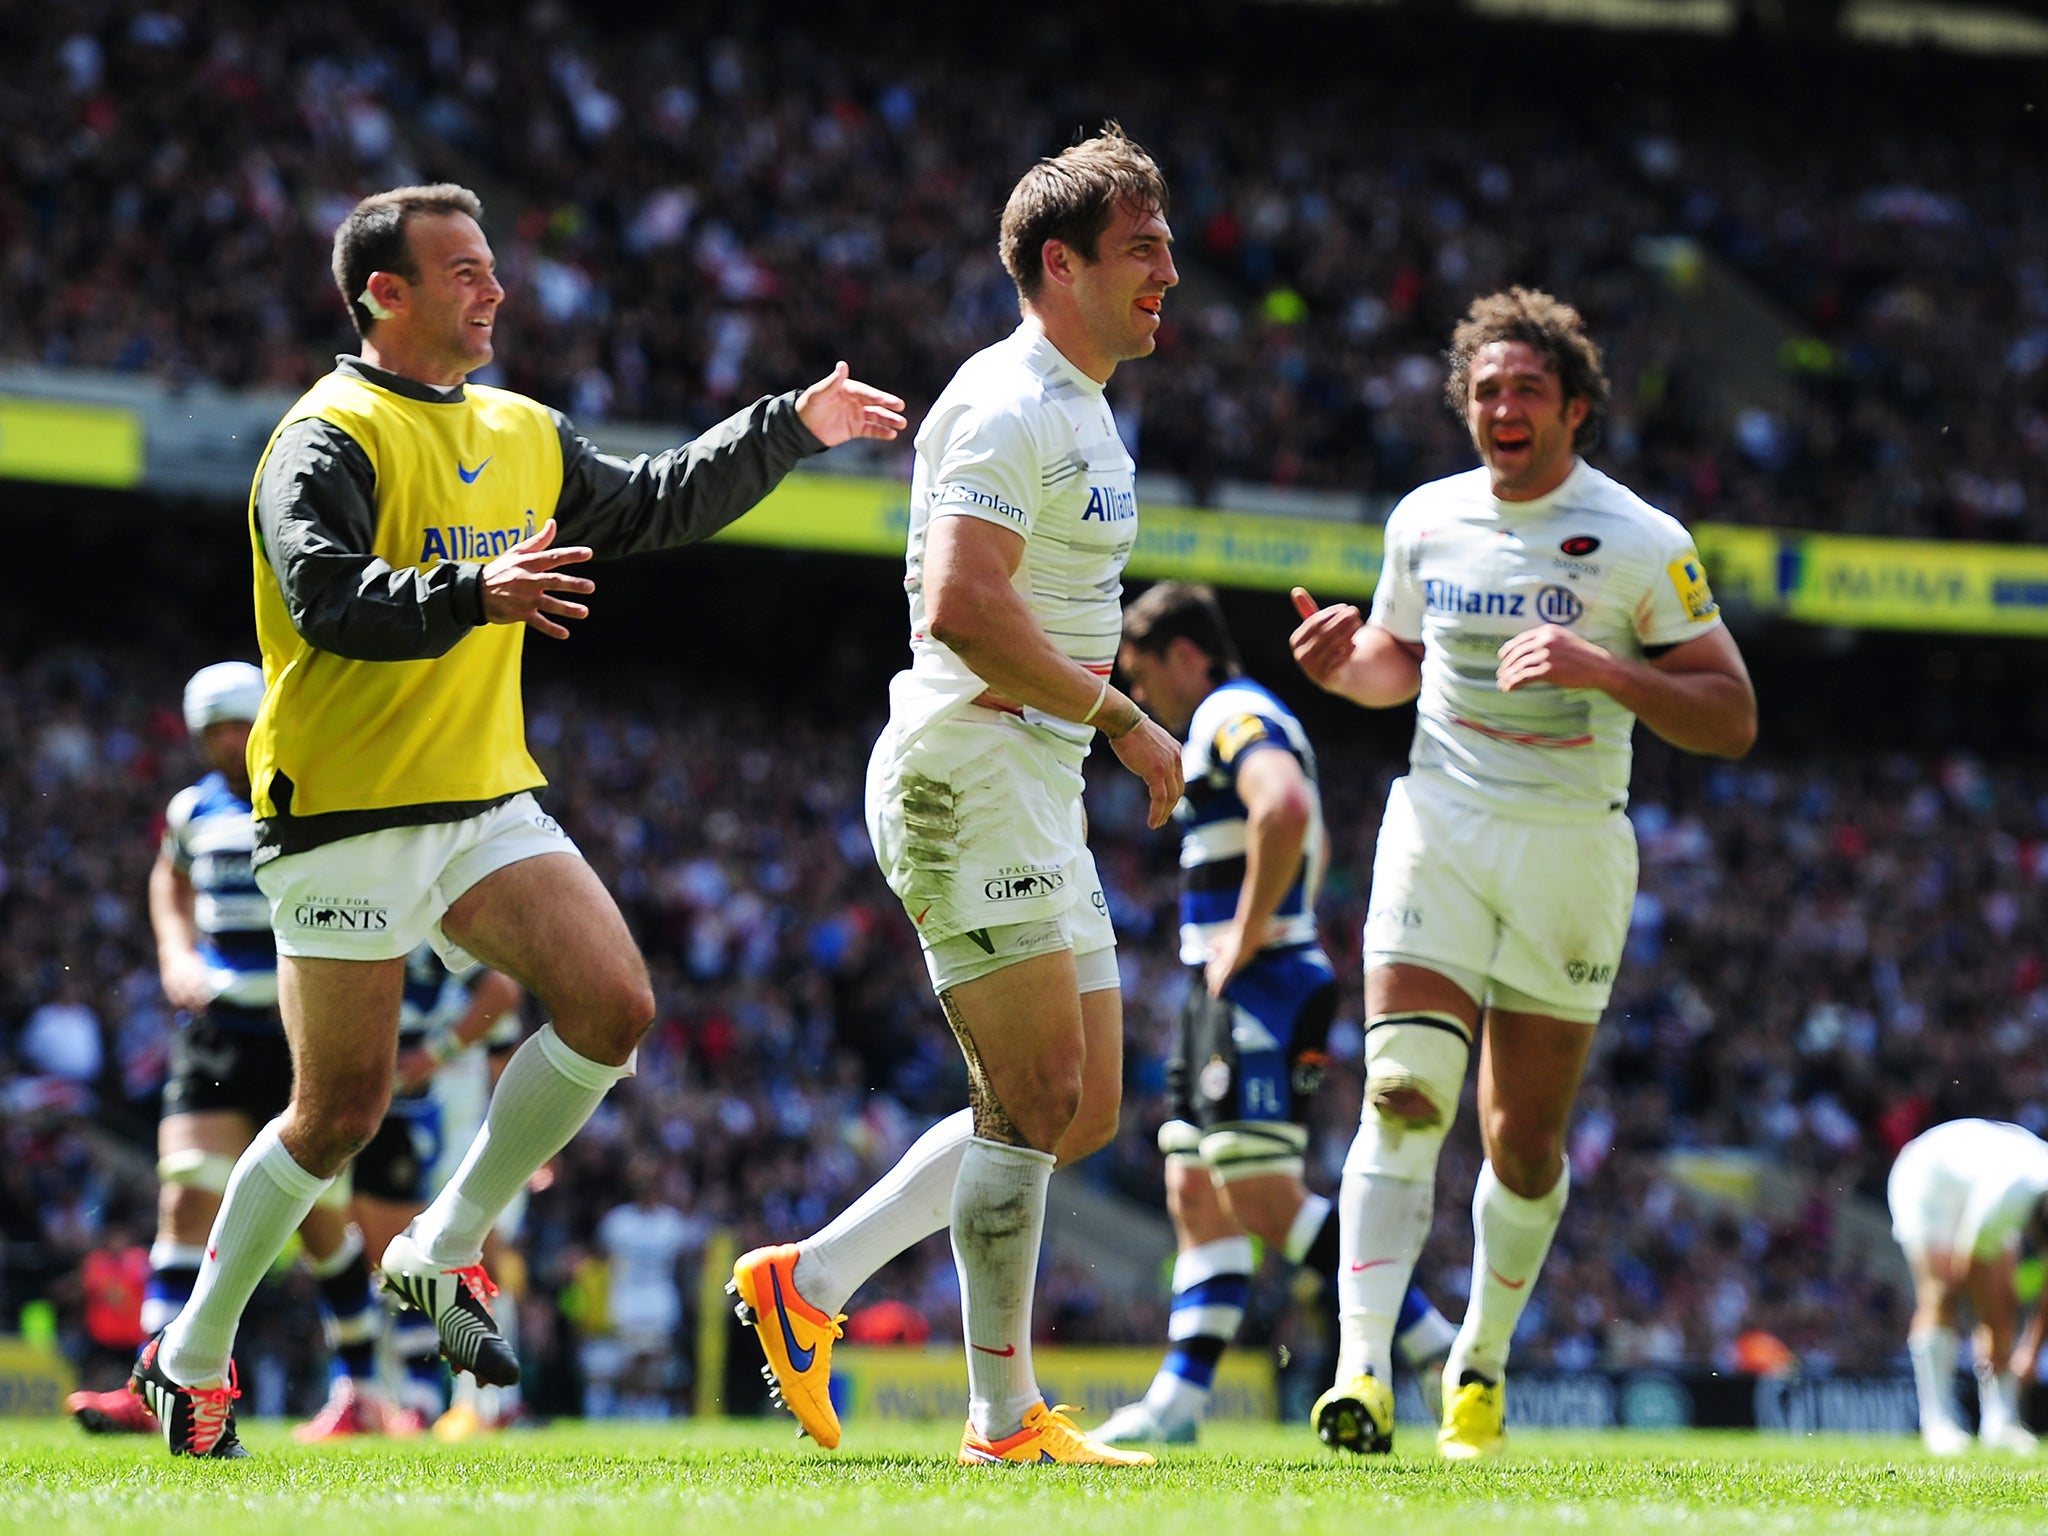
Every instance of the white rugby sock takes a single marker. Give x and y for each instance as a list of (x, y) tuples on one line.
[(1998, 1399), (546, 1094), (1934, 1374), (1382, 1225), (906, 1205), (268, 1195), (998, 1220), (1510, 1239)]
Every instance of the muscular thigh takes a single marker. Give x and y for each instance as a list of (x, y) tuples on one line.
[(1021, 1031), (549, 924), (975, 824), (1251, 1060)]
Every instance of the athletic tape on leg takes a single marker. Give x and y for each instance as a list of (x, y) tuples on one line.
[(1419, 1054)]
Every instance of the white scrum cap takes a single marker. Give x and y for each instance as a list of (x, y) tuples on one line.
[(227, 690)]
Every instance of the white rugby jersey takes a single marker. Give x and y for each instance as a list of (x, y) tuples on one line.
[(1236, 720), (1465, 571), (2003, 1168), (1023, 439), (209, 834)]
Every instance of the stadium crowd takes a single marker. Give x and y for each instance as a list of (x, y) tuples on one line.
[(1829, 953), (687, 210)]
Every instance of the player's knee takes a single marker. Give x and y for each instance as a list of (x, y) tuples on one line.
[(1415, 1071), (1042, 1103), (1092, 1128), (1527, 1150), (185, 1212), (1409, 1107)]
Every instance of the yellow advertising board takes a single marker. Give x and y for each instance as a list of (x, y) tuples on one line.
[(34, 1381), (56, 440), (1984, 589), (842, 515), (913, 1381)]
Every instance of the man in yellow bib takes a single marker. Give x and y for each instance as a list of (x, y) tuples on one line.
[(408, 529)]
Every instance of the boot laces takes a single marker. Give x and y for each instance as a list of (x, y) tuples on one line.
[(212, 1408)]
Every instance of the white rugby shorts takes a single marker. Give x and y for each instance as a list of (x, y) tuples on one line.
[(977, 825), (1927, 1202), (1539, 910), (377, 895)]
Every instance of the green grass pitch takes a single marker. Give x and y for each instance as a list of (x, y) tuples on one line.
[(753, 1479)]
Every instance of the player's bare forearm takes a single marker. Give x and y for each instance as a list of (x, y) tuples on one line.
[(1381, 672), (972, 608), (1275, 795), (1696, 696)]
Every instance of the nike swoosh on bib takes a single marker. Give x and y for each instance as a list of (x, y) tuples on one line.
[(800, 1358), (469, 475)]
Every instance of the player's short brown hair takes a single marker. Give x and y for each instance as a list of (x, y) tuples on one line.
[(1182, 610), (1557, 334), (1070, 196), (372, 239)]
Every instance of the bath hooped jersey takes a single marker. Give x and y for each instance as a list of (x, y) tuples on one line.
[(209, 835), (1023, 439), (1237, 720), (1465, 571)]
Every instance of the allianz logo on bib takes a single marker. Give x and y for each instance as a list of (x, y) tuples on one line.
[(341, 914), (1107, 504)]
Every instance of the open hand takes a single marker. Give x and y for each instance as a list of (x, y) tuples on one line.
[(838, 408), (520, 585)]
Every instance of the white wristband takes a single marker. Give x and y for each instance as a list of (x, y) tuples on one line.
[(1095, 708)]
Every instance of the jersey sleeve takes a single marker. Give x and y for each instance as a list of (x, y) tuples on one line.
[(1242, 732), (988, 468), (1679, 605), (1397, 599), (177, 821)]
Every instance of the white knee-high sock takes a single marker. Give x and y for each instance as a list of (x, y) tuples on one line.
[(267, 1197), (1382, 1224), (998, 1220), (546, 1094), (1934, 1374), (906, 1205), (1998, 1398), (1510, 1239)]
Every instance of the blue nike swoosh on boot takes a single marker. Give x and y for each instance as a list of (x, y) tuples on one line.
[(801, 1359)]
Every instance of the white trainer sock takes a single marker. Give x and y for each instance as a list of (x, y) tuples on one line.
[(906, 1205), (268, 1195), (1382, 1225), (1934, 1374), (998, 1219), (546, 1094), (1510, 1239)]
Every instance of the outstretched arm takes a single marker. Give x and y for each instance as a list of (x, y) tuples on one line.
[(659, 501)]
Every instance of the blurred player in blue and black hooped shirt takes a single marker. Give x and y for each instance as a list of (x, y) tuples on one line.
[(230, 1069)]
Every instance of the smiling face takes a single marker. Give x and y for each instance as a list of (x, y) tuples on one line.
[(1520, 420), (440, 325), (1103, 312)]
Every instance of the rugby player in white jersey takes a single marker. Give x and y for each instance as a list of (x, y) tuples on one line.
[(1248, 1047), (1538, 608), (1961, 1197), (1022, 516)]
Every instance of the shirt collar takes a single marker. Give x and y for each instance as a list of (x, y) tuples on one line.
[(398, 383)]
